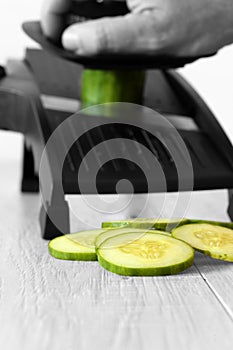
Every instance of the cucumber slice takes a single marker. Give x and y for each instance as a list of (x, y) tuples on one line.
[(148, 255), (104, 86), (215, 241), (121, 231), (75, 246), (157, 224)]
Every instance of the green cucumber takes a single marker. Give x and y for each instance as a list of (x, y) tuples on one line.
[(75, 246), (157, 224), (105, 86), (121, 231), (148, 255), (215, 241)]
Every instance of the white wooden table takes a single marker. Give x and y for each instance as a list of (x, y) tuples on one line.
[(51, 304)]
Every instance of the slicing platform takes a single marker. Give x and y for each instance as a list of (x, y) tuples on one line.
[(210, 150)]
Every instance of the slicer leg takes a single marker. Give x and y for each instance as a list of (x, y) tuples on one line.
[(30, 181), (230, 207), (60, 213)]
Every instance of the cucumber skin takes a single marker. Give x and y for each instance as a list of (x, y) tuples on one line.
[(167, 227), (72, 255), (105, 86), (164, 227), (161, 271)]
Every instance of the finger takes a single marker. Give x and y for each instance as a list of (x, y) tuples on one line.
[(133, 33), (53, 17)]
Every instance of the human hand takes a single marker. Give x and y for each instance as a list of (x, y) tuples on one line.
[(153, 27)]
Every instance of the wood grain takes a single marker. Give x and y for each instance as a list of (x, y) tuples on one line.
[(52, 304)]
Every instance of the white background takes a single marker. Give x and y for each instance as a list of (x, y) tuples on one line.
[(213, 78)]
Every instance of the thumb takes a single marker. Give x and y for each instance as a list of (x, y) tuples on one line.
[(133, 33)]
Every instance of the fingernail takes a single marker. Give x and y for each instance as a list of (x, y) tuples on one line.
[(71, 41)]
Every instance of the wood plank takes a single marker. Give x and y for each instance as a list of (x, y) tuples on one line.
[(47, 303), (217, 274), (219, 277)]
